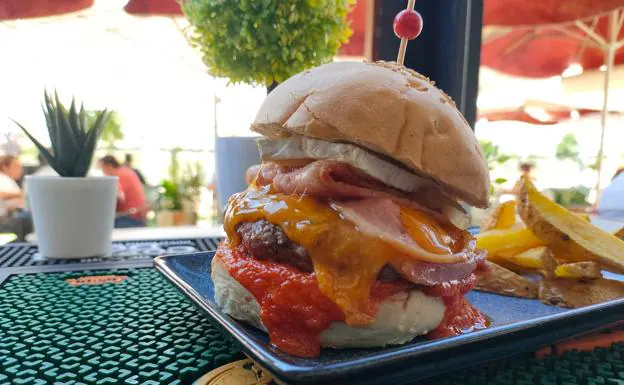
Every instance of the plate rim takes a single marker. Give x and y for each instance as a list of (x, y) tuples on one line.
[(294, 373)]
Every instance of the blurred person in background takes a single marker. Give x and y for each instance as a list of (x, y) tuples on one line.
[(11, 195), (131, 207), (128, 163), (611, 204), (525, 169), (525, 172)]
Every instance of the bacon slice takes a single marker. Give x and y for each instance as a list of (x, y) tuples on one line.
[(263, 174), (431, 274), (381, 218), (332, 179)]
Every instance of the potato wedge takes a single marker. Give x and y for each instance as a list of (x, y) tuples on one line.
[(579, 270), (537, 259), (549, 264), (584, 216), (507, 241), (531, 258), (567, 234), (577, 293), (502, 261), (620, 233), (505, 282), (502, 217), (508, 253)]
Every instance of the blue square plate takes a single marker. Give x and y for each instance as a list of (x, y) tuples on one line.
[(517, 325)]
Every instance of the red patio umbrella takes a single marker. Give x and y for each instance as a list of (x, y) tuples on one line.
[(584, 36), (537, 112), (153, 7), (27, 9), (540, 12), (544, 51), (526, 115)]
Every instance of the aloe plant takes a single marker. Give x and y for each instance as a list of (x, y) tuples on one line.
[(73, 140)]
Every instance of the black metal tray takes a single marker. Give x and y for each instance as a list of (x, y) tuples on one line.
[(517, 325)]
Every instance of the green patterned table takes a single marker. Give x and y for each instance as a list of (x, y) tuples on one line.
[(137, 331), (129, 326)]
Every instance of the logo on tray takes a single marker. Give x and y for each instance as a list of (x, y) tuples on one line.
[(96, 280)]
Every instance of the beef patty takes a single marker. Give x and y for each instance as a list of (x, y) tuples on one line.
[(267, 241)]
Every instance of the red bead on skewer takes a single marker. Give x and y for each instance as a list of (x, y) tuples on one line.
[(407, 26)]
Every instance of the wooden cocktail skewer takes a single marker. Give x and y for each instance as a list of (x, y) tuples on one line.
[(407, 26)]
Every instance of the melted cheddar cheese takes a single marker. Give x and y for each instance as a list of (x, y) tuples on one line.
[(346, 262)]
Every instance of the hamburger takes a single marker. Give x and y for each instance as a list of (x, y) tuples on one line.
[(350, 233)]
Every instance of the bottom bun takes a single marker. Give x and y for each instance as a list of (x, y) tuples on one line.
[(400, 317)]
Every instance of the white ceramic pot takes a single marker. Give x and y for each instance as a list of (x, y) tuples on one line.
[(73, 217)]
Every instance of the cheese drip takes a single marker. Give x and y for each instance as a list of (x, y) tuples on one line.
[(346, 262)]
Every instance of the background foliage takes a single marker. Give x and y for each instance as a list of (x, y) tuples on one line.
[(492, 156), (568, 149), (183, 185), (262, 42), (111, 132)]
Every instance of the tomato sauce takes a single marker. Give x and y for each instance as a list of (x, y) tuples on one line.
[(460, 316), (292, 307), (295, 312), (384, 289)]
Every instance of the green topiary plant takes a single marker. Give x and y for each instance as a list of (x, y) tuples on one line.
[(73, 140), (266, 42)]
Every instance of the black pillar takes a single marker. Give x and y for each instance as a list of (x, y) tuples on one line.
[(447, 51)]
